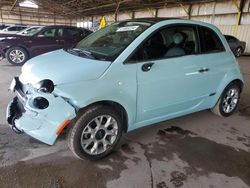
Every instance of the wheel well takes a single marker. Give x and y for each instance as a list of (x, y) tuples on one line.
[(239, 83), (115, 106), (5, 51)]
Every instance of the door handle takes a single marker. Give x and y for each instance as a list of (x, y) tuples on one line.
[(59, 40), (204, 70), (147, 67)]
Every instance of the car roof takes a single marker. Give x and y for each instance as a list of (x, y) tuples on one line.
[(172, 20), (49, 26), (152, 20)]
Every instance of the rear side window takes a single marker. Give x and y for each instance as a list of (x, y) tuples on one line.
[(71, 32), (210, 42), (50, 33), (13, 28), (230, 38)]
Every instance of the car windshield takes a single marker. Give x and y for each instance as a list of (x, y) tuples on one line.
[(108, 43), (30, 32)]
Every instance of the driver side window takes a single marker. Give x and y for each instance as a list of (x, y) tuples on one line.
[(170, 42)]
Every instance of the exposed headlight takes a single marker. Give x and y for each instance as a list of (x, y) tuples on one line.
[(46, 86)]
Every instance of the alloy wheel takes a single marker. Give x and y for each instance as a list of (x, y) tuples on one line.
[(99, 134), (230, 100), (17, 56)]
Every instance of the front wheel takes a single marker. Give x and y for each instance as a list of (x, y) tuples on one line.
[(228, 101), (96, 133), (17, 55)]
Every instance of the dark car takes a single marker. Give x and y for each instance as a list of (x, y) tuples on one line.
[(3, 26), (19, 48), (237, 46)]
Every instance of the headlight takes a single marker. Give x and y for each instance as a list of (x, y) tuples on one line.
[(46, 86)]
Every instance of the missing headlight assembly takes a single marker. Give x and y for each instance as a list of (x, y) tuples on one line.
[(42, 114)]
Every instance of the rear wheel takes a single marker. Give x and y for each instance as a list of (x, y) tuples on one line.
[(96, 133), (228, 101), (17, 55)]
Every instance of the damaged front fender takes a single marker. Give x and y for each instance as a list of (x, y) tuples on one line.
[(42, 124)]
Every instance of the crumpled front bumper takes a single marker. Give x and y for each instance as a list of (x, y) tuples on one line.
[(42, 124)]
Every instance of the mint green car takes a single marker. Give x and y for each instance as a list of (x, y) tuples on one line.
[(126, 76)]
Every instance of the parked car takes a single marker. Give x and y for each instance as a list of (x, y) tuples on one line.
[(237, 46), (128, 75), (19, 48), (3, 26), (13, 29), (29, 30)]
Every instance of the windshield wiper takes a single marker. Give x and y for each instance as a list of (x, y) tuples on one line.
[(83, 52)]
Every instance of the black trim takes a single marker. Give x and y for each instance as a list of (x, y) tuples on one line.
[(15, 112), (212, 94), (19, 87)]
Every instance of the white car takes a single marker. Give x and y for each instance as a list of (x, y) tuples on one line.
[(29, 30), (13, 29)]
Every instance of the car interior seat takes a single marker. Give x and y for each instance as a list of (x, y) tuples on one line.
[(176, 47)]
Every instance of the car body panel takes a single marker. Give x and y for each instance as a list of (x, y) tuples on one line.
[(86, 69), (141, 94), (43, 124)]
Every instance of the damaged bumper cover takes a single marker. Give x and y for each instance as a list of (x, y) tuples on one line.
[(38, 114)]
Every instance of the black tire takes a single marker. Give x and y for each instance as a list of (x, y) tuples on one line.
[(77, 130), (21, 57), (219, 108), (238, 52)]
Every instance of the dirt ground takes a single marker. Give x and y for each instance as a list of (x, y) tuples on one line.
[(200, 150)]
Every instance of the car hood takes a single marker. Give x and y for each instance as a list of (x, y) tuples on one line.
[(62, 67)]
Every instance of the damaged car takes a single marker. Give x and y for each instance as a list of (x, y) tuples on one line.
[(125, 76)]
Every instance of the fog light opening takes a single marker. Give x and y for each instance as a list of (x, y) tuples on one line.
[(40, 103)]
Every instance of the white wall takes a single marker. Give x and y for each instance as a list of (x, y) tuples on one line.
[(222, 14), (31, 16)]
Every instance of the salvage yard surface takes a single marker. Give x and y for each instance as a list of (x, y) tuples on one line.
[(200, 150)]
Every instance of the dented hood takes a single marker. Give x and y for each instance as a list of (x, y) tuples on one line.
[(62, 67)]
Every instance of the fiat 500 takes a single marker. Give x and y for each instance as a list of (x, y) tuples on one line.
[(125, 76)]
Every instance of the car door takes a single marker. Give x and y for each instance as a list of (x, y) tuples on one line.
[(46, 40), (214, 56), (171, 76)]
